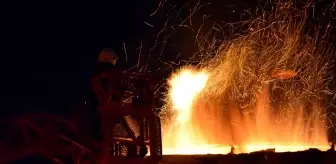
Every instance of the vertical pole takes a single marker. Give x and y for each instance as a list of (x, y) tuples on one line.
[(155, 137)]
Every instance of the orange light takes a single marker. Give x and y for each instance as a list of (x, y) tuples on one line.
[(248, 134), (283, 74)]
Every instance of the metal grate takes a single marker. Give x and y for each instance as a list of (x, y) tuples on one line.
[(152, 134), (133, 125), (119, 131)]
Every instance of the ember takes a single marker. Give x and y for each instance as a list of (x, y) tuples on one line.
[(184, 137), (283, 74), (238, 97)]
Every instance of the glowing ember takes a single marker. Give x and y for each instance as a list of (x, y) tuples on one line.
[(183, 136), (237, 99), (220, 149), (283, 74)]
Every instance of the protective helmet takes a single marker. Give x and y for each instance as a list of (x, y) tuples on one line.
[(107, 55)]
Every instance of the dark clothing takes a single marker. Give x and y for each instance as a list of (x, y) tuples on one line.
[(93, 102), (104, 67)]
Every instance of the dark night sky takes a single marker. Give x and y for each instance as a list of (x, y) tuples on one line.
[(55, 46)]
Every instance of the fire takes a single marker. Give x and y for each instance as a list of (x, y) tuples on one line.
[(184, 136), (185, 87), (264, 89)]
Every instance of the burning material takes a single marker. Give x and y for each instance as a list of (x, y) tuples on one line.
[(283, 74), (186, 85), (240, 100), (185, 135)]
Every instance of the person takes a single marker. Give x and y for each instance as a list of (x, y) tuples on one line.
[(107, 61)]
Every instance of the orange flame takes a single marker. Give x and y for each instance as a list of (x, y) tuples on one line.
[(195, 131), (185, 87)]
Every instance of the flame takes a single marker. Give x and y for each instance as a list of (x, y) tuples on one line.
[(185, 86), (263, 89), (184, 134)]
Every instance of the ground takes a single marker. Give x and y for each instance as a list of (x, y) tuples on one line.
[(305, 157)]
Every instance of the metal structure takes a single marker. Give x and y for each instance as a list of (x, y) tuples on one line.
[(130, 127), (128, 118)]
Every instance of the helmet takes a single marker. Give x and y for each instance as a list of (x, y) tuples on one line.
[(107, 55)]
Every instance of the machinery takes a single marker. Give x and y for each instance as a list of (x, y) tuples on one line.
[(130, 127)]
